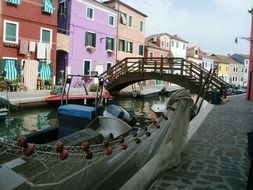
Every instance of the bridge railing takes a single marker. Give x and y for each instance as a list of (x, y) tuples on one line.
[(175, 66)]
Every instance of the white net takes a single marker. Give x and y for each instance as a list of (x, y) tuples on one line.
[(129, 163)]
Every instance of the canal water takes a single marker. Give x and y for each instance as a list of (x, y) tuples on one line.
[(34, 119)]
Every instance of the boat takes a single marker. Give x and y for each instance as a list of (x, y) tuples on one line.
[(3, 113), (113, 110), (81, 96), (4, 107), (103, 155)]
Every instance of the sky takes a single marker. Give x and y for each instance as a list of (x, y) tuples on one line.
[(211, 25)]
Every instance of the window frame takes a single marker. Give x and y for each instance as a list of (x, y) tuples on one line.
[(93, 13), (106, 43), (86, 40), (90, 63), (124, 45), (142, 50), (113, 17), (17, 32), (129, 47), (128, 19), (48, 29), (141, 26)]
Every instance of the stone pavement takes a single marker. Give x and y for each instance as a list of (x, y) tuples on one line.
[(215, 157)]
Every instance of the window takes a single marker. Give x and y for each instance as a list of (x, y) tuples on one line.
[(62, 8), (141, 26), (46, 35), (108, 66), (109, 43), (151, 54), (111, 20), (162, 43), (89, 13), (48, 6), (10, 31), (86, 67), (183, 46), (141, 50), (14, 2), (196, 52), (130, 21), (129, 47), (90, 39), (122, 44), (10, 66), (176, 44), (172, 43), (246, 70), (123, 18)]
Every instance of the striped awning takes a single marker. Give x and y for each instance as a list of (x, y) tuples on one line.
[(10, 69), (16, 2), (48, 6), (45, 70)]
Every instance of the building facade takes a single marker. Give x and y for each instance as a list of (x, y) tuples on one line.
[(244, 60), (229, 70), (130, 30), (91, 28), (28, 42), (200, 57)]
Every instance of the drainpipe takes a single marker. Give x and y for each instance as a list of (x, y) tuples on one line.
[(250, 76)]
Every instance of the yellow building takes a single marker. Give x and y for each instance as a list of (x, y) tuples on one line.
[(229, 70)]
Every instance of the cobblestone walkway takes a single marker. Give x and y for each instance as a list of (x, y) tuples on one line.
[(214, 158)]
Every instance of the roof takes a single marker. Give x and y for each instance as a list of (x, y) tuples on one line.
[(120, 2), (224, 59), (176, 37), (150, 43)]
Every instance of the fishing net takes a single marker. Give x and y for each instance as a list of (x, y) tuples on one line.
[(129, 162)]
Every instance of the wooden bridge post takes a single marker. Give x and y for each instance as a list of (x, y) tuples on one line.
[(182, 67), (125, 66), (161, 66), (201, 77), (142, 66)]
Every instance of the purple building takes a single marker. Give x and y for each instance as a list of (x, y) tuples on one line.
[(91, 27)]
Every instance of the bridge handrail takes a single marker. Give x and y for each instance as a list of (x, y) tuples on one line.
[(185, 68)]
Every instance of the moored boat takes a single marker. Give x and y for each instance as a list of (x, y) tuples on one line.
[(128, 159)]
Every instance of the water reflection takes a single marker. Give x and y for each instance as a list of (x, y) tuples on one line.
[(35, 119), (27, 121)]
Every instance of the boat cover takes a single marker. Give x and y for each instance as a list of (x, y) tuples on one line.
[(85, 112)]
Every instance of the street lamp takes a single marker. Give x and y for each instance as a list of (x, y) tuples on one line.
[(244, 38)]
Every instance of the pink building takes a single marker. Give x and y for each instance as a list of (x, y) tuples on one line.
[(130, 32)]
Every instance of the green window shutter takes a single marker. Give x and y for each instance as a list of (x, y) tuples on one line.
[(140, 49), (131, 47), (11, 32), (86, 38), (90, 13), (48, 6), (86, 67), (14, 2), (109, 43), (93, 40), (46, 36)]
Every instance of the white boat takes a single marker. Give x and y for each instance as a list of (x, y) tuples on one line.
[(3, 113), (113, 110)]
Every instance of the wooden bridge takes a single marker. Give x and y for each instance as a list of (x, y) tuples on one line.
[(176, 70)]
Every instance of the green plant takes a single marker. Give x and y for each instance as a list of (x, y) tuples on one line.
[(93, 87)]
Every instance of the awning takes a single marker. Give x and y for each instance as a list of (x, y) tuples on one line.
[(16, 2), (45, 70), (48, 6), (9, 66)]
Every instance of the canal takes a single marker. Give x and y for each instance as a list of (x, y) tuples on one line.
[(34, 119)]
